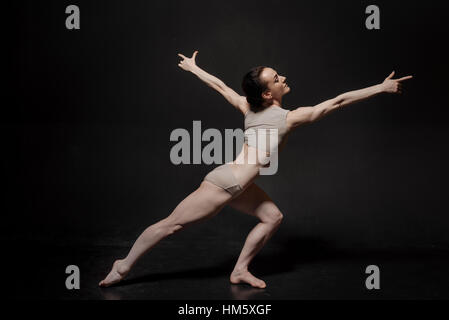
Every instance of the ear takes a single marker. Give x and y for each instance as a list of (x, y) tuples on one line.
[(267, 94)]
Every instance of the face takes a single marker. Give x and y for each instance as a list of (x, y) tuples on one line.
[(276, 84)]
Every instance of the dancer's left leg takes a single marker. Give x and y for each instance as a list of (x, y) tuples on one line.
[(202, 204), (256, 202)]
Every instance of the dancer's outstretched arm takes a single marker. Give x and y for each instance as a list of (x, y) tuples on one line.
[(238, 101), (309, 114)]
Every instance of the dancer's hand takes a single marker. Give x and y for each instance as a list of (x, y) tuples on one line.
[(394, 85), (188, 64)]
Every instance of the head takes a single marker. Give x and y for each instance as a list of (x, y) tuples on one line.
[(264, 87)]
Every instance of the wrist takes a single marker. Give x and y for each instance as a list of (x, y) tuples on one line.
[(381, 88), (195, 69)]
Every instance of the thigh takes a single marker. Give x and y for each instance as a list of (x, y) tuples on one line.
[(203, 203), (254, 201)]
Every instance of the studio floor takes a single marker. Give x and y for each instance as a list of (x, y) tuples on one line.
[(291, 270)]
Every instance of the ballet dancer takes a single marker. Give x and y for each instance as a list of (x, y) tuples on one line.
[(233, 183)]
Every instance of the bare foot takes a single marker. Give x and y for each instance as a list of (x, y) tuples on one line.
[(244, 276), (118, 272)]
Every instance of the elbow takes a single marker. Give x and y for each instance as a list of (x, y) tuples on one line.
[(337, 101), (220, 84), (342, 100)]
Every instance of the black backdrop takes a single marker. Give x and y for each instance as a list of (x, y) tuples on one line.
[(89, 112)]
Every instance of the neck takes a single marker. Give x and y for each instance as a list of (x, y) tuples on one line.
[(273, 102)]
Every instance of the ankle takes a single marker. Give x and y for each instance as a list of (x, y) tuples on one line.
[(240, 269), (122, 266)]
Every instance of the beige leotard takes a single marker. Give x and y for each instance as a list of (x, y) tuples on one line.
[(273, 117), (235, 176)]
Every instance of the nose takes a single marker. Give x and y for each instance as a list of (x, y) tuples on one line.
[(284, 79)]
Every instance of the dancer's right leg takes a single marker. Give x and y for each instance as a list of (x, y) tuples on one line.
[(203, 203)]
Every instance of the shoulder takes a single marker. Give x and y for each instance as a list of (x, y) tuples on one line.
[(281, 111)]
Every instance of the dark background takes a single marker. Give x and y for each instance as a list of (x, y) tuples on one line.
[(87, 117)]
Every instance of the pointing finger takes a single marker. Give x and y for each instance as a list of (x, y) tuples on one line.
[(182, 56), (405, 78)]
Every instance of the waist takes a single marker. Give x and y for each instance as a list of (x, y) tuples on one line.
[(252, 156)]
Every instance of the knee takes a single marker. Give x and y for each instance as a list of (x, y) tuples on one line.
[(168, 227), (172, 227), (175, 228), (274, 217)]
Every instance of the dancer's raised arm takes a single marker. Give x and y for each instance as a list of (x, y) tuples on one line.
[(238, 101), (309, 114)]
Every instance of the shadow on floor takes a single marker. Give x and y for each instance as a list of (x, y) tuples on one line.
[(287, 254), (283, 256)]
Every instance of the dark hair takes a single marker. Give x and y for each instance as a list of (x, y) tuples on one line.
[(253, 87)]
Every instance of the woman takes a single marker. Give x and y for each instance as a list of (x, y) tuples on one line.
[(232, 183)]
